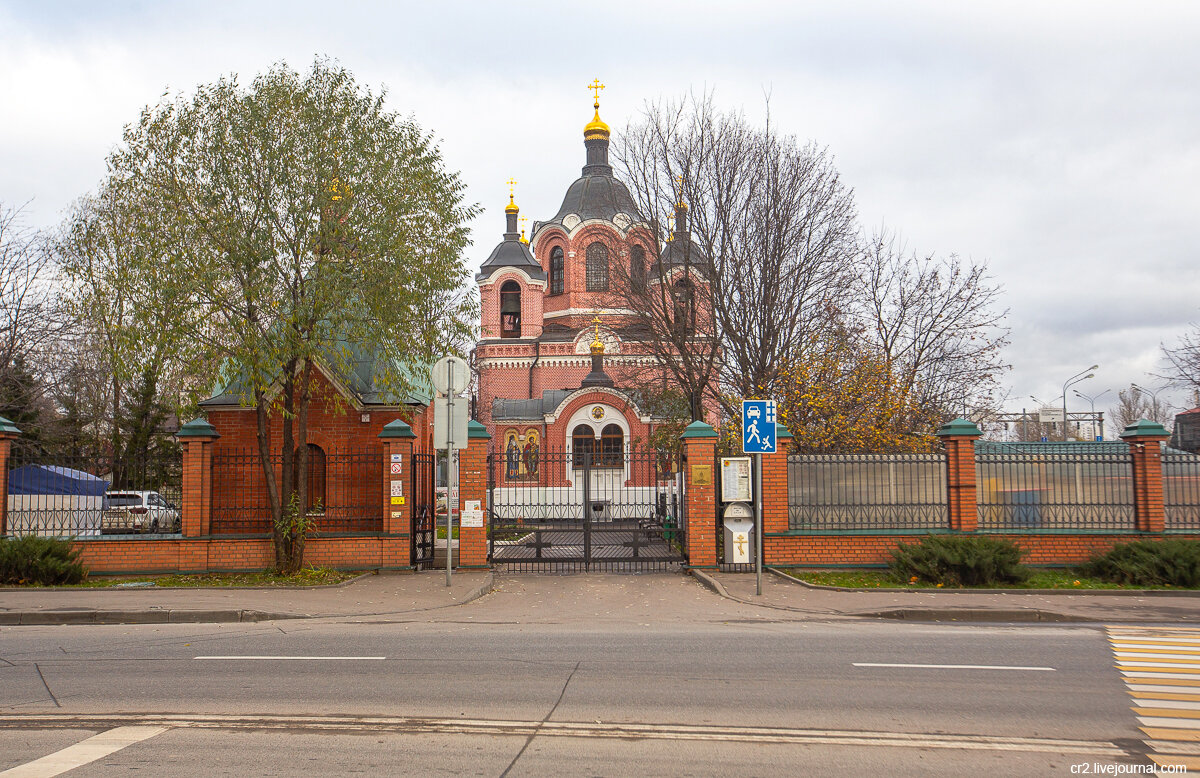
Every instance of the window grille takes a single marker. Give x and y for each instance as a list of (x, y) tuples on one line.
[(556, 271), (597, 267)]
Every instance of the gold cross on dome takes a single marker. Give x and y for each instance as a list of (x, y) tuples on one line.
[(596, 325), (511, 183), (596, 86)]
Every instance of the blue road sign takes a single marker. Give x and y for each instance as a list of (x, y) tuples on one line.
[(758, 426)]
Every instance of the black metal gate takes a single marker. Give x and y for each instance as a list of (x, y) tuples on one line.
[(423, 508), (560, 511)]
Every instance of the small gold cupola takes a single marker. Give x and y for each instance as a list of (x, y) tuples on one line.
[(597, 345), (596, 129)]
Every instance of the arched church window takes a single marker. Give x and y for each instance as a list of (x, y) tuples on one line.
[(315, 502), (637, 268), (597, 267), (612, 446), (510, 310), (685, 308), (556, 270), (583, 442)]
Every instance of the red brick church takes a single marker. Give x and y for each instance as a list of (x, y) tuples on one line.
[(556, 361)]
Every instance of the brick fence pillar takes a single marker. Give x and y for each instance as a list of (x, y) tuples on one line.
[(775, 484), (959, 436), (700, 448), (8, 433), (398, 440), (472, 485), (197, 437), (1145, 439)]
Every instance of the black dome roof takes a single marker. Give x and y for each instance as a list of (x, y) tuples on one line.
[(597, 197)]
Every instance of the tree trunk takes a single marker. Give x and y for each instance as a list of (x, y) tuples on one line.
[(264, 458), (289, 500)]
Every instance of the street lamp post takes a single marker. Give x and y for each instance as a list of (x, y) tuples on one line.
[(1092, 402), (1070, 382), (1155, 411)]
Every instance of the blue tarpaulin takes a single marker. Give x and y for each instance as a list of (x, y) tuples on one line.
[(46, 479)]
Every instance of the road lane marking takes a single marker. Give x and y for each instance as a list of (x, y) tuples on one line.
[(304, 658), (952, 667), (581, 729), (84, 752), (1161, 671)]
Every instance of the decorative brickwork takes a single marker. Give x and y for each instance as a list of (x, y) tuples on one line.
[(1145, 447), (775, 483), (959, 438), (6, 439), (854, 550), (700, 451), (472, 485)]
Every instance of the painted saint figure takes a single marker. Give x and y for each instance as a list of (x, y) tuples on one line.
[(512, 457)]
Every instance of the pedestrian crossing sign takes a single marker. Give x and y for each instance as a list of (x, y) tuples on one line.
[(758, 426)]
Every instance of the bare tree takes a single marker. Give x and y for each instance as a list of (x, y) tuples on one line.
[(1134, 404), (30, 323), (938, 324), (1183, 361), (768, 245)]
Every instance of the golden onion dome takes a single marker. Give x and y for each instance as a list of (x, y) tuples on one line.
[(512, 206), (596, 128)]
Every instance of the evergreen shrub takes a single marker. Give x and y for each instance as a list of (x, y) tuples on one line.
[(957, 560), (1149, 563), (39, 561)]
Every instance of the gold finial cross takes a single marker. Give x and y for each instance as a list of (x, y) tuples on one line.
[(511, 183), (596, 325), (596, 86)]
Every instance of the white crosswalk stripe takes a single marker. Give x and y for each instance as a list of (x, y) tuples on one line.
[(1161, 669)]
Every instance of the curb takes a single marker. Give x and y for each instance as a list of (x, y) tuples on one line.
[(974, 615), (52, 618), (119, 588), (1040, 592), (481, 590)]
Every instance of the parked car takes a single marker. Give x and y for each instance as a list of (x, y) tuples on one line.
[(143, 512)]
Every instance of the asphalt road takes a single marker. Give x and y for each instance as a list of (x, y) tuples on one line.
[(560, 686)]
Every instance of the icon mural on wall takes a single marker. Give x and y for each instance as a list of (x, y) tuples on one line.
[(520, 455)]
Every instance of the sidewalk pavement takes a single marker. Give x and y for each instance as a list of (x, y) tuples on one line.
[(787, 595), (400, 596), (368, 595)]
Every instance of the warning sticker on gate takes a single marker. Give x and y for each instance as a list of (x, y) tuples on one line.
[(397, 468), (397, 488)]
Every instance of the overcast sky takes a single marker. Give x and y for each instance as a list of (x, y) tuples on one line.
[(1060, 142)]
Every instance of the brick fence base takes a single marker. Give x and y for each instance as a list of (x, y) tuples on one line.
[(231, 554), (805, 550)]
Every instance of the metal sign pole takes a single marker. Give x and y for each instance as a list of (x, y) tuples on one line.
[(451, 486), (758, 523)]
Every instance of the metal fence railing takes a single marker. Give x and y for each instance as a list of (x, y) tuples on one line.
[(345, 491), (86, 497), (1022, 487), (1181, 490), (831, 492)]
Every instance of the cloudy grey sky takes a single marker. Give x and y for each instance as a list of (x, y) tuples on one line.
[(1060, 142)]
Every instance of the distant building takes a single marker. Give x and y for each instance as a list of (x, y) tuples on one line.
[(1186, 435)]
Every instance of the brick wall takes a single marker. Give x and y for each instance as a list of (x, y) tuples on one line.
[(854, 550), (198, 555)]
